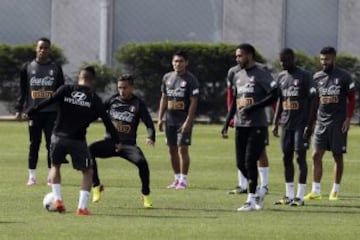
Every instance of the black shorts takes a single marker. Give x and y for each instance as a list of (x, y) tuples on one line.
[(174, 137), (293, 140), (77, 149), (330, 138)]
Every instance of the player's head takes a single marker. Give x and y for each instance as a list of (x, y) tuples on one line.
[(42, 49), (125, 85), (245, 55), (180, 61), (87, 75), (287, 59), (327, 58)]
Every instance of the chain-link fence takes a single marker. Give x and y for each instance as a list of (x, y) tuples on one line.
[(92, 30)]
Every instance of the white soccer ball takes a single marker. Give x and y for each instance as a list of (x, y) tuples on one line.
[(49, 202)]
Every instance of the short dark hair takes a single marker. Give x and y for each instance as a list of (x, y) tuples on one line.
[(328, 50), (248, 48), (44, 39), (181, 53), (288, 52), (126, 78), (89, 69)]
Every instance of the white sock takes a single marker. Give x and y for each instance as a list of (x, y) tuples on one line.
[(264, 175), (83, 199), (316, 188), (56, 189), (32, 173), (177, 176), (183, 178), (336, 187), (242, 181), (301, 191), (289, 187)]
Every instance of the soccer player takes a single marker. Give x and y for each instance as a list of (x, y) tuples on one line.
[(39, 79), (254, 89), (78, 106), (179, 99), (335, 102), (263, 164), (296, 92), (125, 110)]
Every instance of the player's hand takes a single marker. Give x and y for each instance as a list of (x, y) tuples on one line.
[(186, 127), (149, 142), (18, 115), (231, 123), (118, 147), (160, 124), (307, 132), (224, 132), (275, 130), (346, 125)]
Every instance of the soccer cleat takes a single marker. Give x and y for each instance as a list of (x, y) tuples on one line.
[(180, 186), (261, 196), (237, 190), (59, 206), (31, 181), (96, 191), (173, 184), (147, 201), (312, 196), (80, 211), (297, 202), (333, 196), (247, 207), (284, 201)]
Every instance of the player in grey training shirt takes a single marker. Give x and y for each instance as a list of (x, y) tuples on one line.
[(336, 102), (39, 79), (254, 89), (296, 92), (180, 91), (263, 164)]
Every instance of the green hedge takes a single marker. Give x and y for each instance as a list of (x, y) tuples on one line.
[(208, 62)]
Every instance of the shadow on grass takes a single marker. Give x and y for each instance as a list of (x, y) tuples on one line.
[(156, 216), (9, 222)]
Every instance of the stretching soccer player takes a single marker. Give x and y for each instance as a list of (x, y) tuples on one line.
[(179, 99), (254, 89), (335, 103), (79, 105), (125, 110), (39, 79), (296, 92)]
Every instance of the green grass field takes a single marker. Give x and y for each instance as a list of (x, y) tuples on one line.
[(203, 211)]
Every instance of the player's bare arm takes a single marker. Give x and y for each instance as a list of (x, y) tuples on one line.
[(162, 109), (191, 115)]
